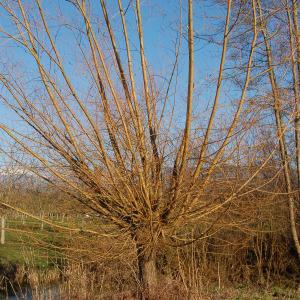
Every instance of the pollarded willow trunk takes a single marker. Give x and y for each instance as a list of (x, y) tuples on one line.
[(147, 271), (147, 267)]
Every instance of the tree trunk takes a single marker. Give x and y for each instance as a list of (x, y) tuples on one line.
[(280, 133), (147, 271)]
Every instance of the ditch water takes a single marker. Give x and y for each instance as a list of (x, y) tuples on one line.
[(25, 293), (13, 293)]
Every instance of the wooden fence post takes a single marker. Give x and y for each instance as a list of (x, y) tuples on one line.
[(42, 224), (2, 239)]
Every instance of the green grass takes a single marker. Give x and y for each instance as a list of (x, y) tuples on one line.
[(276, 292), (28, 244)]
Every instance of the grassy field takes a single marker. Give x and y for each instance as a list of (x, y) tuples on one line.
[(30, 243)]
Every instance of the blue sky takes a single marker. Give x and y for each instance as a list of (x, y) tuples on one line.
[(160, 23)]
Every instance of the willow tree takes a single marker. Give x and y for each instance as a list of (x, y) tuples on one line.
[(277, 72), (96, 125), (278, 110)]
